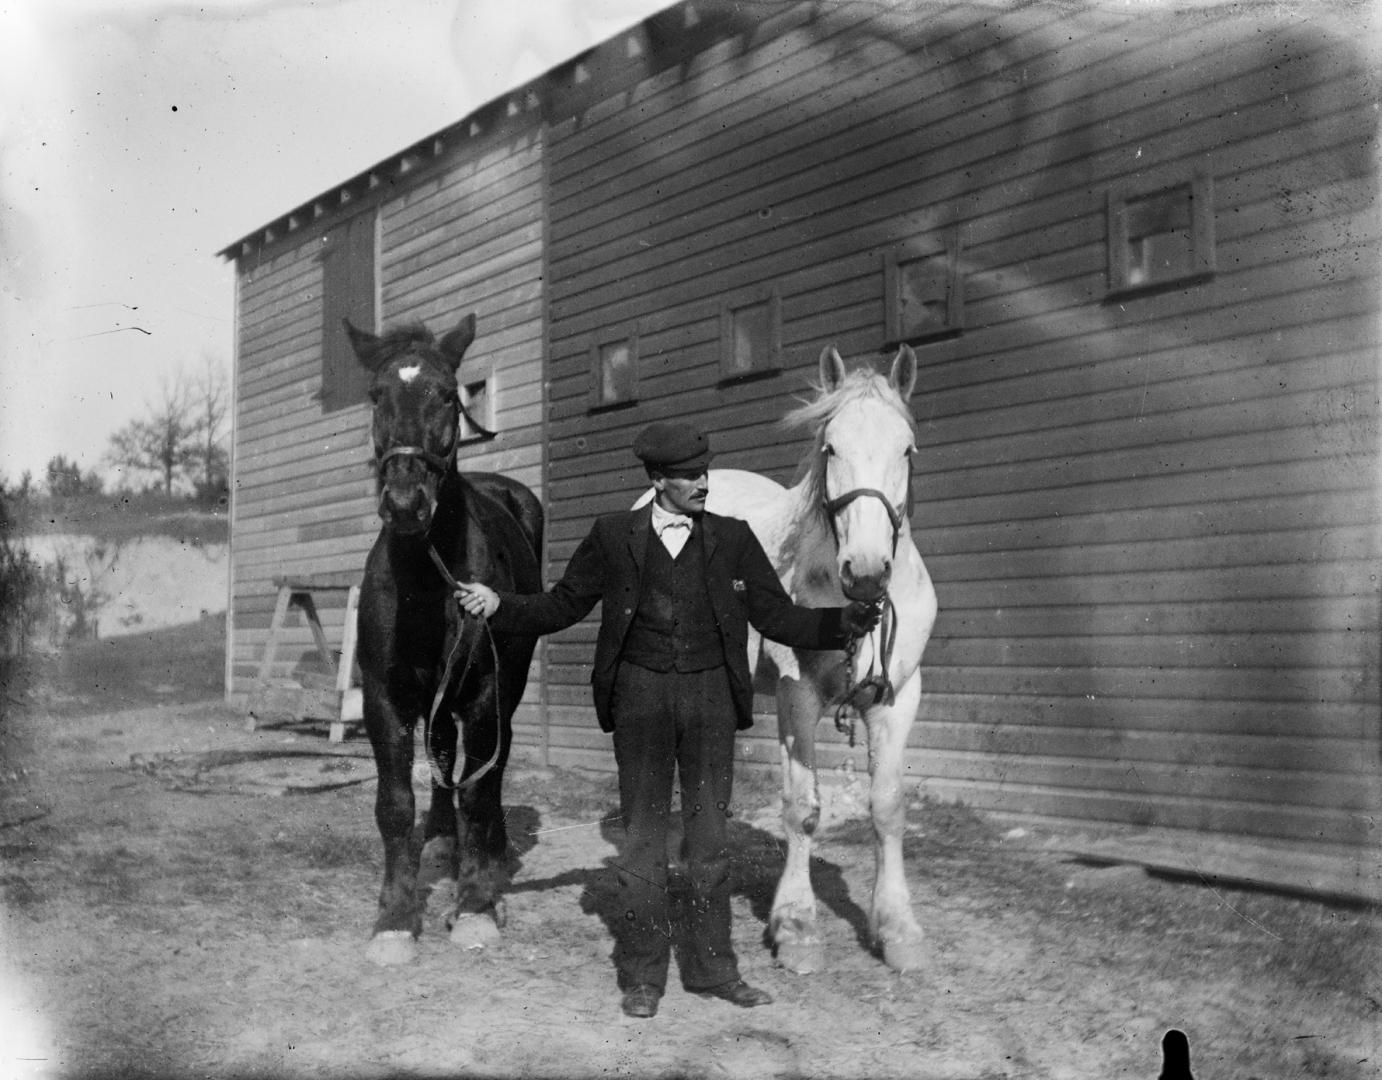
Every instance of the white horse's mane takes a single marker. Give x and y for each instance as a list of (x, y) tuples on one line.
[(857, 385)]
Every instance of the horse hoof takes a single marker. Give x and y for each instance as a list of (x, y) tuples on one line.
[(905, 955), (390, 948), (801, 957), (473, 930), (797, 946)]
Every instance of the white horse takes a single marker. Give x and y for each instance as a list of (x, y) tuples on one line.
[(843, 531)]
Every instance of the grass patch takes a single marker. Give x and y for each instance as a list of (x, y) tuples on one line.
[(174, 666), (118, 517)]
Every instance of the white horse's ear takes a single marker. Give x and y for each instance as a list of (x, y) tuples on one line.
[(832, 368), (455, 343), (903, 376)]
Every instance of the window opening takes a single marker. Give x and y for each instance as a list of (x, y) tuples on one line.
[(614, 372), (923, 294), (349, 291), (751, 335), (1161, 238), (478, 399)]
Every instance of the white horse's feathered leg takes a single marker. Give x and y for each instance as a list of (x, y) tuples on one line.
[(893, 927), (792, 926)]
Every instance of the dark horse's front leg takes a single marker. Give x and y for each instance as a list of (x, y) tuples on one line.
[(390, 728), (482, 863)]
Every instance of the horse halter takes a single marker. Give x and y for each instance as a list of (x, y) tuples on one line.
[(896, 515), (441, 463), (438, 462), (876, 685)]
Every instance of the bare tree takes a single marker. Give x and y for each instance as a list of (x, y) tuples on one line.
[(166, 440), (212, 407)]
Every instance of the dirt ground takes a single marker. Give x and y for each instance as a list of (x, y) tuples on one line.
[(186, 898)]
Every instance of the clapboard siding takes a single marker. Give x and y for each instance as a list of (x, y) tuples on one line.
[(694, 246), (1152, 520), (462, 234)]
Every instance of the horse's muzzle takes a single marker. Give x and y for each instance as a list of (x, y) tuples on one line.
[(406, 509), (867, 586), (407, 491)]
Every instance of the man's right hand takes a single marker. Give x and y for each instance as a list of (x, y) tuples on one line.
[(477, 599)]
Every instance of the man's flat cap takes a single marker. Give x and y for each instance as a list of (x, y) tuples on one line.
[(671, 445)]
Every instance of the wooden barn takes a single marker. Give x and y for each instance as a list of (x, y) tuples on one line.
[(1136, 252)]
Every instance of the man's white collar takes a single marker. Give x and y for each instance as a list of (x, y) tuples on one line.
[(664, 518)]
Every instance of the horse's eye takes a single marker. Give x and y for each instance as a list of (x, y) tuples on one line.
[(827, 449), (911, 450)]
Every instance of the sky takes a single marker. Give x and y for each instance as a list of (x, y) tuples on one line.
[(140, 138)]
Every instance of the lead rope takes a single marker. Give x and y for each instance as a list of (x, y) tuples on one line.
[(442, 777), (877, 684)]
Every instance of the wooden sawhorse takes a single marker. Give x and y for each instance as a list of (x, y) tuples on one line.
[(330, 697)]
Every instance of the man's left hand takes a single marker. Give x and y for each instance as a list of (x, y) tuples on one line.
[(859, 618), (477, 599)]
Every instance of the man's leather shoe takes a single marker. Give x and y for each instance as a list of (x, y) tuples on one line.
[(739, 993), (642, 1001)]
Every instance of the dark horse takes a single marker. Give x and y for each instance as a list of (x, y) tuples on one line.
[(421, 656)]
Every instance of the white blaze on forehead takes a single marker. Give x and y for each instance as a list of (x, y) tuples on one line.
[(408, 374)]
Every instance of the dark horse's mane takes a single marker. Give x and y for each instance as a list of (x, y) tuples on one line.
[(401, 339)]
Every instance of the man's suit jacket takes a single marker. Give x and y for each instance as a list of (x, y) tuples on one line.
[(608, 566)]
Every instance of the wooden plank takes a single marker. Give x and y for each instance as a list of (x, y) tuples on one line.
[(1191, 750), (1073, 807), (469, 207), (955, 505), (493, 252), (1333, 872), (870, 203), (831, 69), (888, 135), (1357, 614), (991, 712), (1183, 84), (1317, 651), (1264, 683), (1287, 546), (1296, 796)]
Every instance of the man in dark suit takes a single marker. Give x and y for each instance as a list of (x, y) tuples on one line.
[(671, 681)]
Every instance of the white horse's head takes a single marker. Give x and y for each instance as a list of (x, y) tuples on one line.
[(860, 473)]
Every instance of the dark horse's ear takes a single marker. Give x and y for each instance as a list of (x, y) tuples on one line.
[(455, 343), (365, 344), (903, 376), (832, 368)]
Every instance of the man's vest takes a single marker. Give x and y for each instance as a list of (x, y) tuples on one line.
[(674, 628)]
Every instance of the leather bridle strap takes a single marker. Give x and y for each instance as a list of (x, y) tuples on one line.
[(896, 516), (436, 461), (877, 685), (440, 462), (439, 777)]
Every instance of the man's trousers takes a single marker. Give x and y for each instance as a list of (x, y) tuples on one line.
[(666, 723)]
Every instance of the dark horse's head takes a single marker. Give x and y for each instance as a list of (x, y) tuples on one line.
[(416, 416)]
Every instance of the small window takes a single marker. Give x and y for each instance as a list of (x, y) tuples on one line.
[(477, 397), (751, 335), (923, 294), (349, 291), (1161, 238), (614, 371)]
